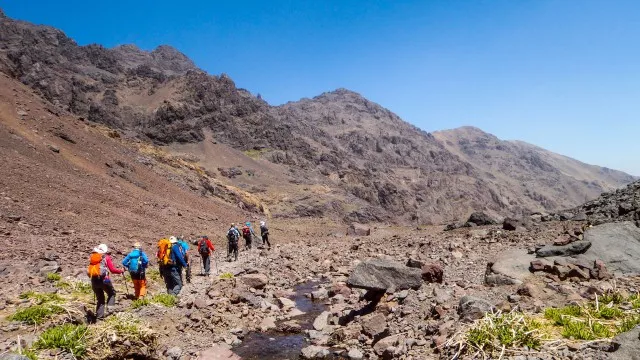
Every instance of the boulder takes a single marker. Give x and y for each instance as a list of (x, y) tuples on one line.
[(256, 281), (626, 346), (574, 248), (375, 326), (432, 272), (356, 229), (500, 280), (10, 356), (268, 323), (385, 343), (321, 321), (599, 271), (380, 275), (617, 245), (315, 352), (49, 267), (355, 354), (286, 303), (472, 308), (511, 224), (480, 218), (513, 264), (174, 353)]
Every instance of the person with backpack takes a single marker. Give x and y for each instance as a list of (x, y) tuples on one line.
[(264, 233), (136, 263), (232, 242), (100, 265), (173, 277), (185, 253), (247, 234), (205, 248), (163, 257)]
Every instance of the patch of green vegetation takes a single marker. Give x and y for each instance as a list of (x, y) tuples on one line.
[(586, 330), (36, 314), (29, 354), (67, 337), (136, 304), (608, 313), (628, 324), (495, 331), (226, 275), (254, 153), (106, 339), (561, 316), (53, 277), (167, 300), (611, 297), (153, 274), (41, 298)]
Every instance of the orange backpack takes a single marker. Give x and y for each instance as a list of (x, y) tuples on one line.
[(97, 267), (164, 252)]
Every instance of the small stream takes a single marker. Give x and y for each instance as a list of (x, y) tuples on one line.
[(274, 345)]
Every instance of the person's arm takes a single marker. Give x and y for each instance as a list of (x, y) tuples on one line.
[(145, 260), (210, 245), (126, 261), (112, 268), (179, 257)]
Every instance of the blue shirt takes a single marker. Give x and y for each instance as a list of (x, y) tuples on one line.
[(177, 255), (134, 255)]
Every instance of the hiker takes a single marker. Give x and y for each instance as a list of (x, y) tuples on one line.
[(100, 265), (205, 248), (162, 255), (185, 253), (232, 236), (264, 232), (247, 234), (173, 272), (136, 263)]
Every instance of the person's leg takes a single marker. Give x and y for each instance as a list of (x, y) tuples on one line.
[(265, 240), (176, 275), (96, 285), (207, 264), (168, 279), (142, 291), (136, 288), (235, 252), (111, 293)]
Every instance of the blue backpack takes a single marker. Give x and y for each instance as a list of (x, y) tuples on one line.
[(135, 263)]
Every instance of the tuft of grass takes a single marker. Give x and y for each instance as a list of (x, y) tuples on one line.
[(53, 277), (628, 324), (166, 300), (136, 304), (68, 337), (561, 316), (106, 340), (36, 314), (494, 332), (226, 275), (41, 298), (29, 354), (611, 297)]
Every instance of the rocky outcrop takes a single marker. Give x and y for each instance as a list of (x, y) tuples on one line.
[(381, 275), (617, 245), (571, 249)]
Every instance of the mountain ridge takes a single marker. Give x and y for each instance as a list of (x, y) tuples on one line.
[(377, 166)]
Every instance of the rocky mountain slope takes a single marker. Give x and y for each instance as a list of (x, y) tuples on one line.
[(337, 155)]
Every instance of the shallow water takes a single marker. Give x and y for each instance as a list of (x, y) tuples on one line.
[(275, 345)]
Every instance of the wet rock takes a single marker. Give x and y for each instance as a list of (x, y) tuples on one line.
[(375, 326), (256, 281), (315, 352), (356, 229), (320, 294), (472, 308), (575, 248), (286, 303), (267, 324), (380, 275)]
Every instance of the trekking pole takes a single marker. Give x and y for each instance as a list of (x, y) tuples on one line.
[(216, 259), (126, 286)]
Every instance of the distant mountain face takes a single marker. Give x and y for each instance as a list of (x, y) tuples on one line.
[(372, 165)]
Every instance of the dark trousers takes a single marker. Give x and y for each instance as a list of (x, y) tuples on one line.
[(173, 279), (100, 287), (206, 263), (233, 250), (265, 240), (247, 242)]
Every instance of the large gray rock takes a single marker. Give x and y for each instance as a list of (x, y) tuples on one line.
[(380, 275), (356, 229), (315, 352), (472, 308), (256, 281), (10, 356), (617, 245), (512, 265), (574, 248), (627, 345)]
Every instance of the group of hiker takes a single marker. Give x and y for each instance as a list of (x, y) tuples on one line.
[(173, 259)]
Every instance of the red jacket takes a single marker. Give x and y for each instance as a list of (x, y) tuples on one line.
[(111, 267), (206, 243)]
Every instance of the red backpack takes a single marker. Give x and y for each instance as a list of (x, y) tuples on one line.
[(246, 231)]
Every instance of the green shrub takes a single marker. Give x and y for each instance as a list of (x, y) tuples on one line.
[(76, 287), (167, 300), (53, 277), (153, 274), (495, 331), (30, 354), (67, 337), (561, 316), (226, 275), (43, 298), (136, 304), (628, 324), (36, 314), (611, 297), (609, 313)]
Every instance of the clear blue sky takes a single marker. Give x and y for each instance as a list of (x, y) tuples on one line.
[(564, 75)]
